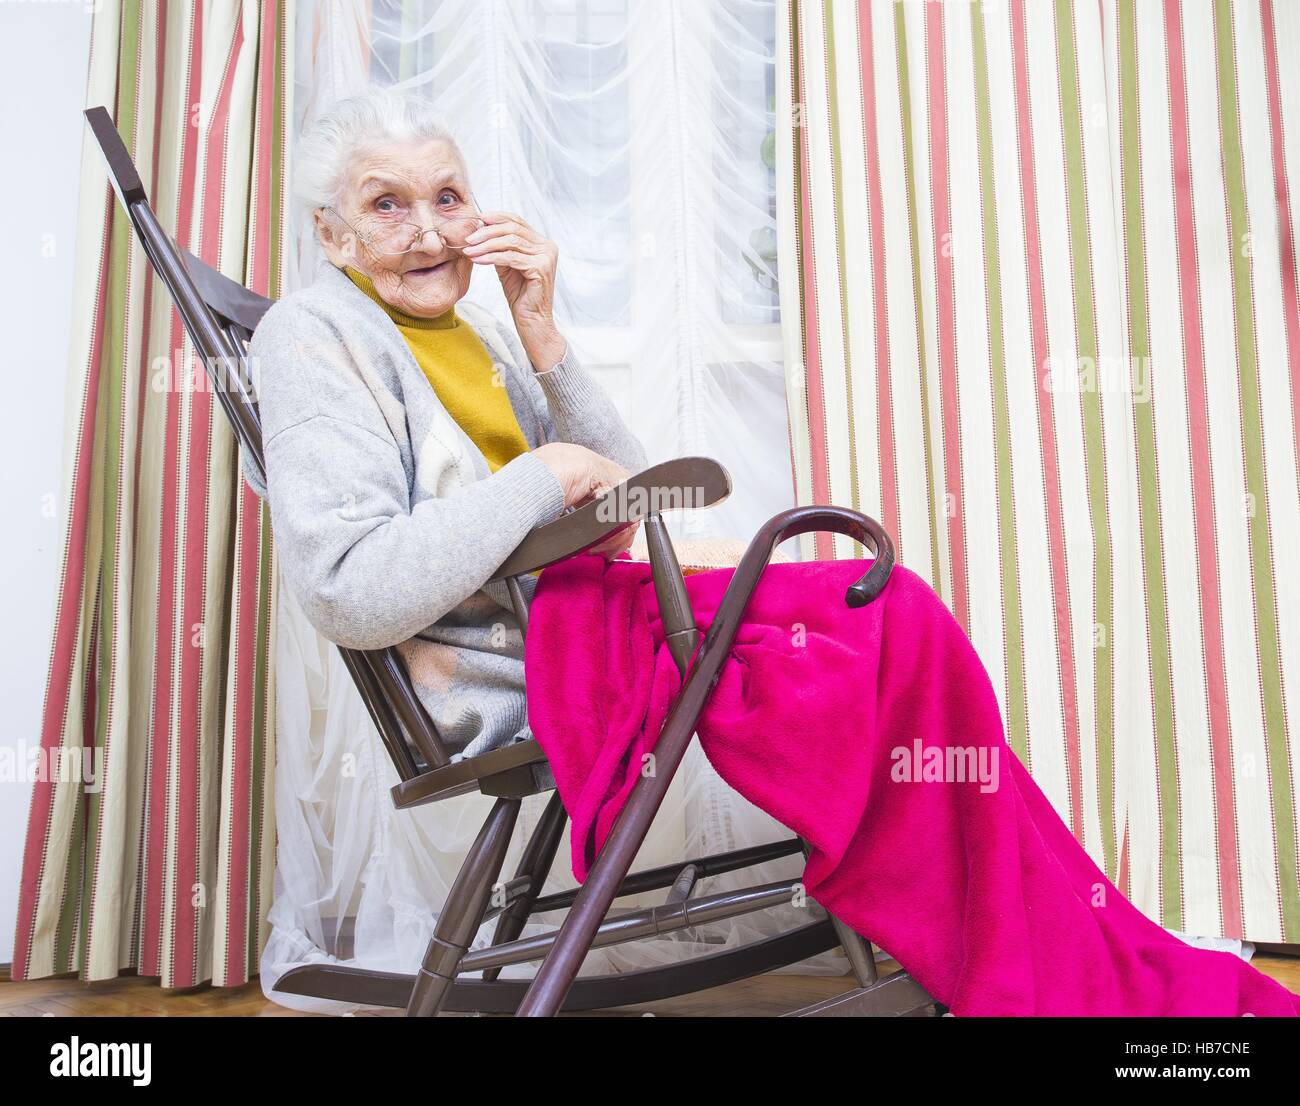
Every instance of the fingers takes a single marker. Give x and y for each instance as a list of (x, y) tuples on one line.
[(625, 539), (534, 261), (514, 236), (617, 543), (506, 218), (499, 224), (608, 475), (501, 238), (510, 259), (582, 473), (593, 487), (506, 237), (602, 475)]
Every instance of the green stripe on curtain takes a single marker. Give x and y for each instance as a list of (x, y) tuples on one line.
[(1088, 356), (1097, 459), (161, 658), (912, 203), (841, 252), (1017, 705), (1147, 476)]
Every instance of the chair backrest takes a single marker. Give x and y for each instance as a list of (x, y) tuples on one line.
[(220, 316)]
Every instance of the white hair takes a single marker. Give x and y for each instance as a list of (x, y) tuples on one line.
[(327, 147)]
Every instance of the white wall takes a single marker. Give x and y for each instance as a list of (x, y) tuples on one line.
[(44, 49)]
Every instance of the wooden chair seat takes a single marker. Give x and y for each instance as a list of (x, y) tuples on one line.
[(509, 772)]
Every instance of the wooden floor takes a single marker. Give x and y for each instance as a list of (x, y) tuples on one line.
[(132, 997)]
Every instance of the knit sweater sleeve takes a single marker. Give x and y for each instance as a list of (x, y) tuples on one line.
[(370, 568), (577, 408)]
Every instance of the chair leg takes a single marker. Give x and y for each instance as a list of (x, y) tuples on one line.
[(861, 956), (462, 914), (535, 865), (557, 972)]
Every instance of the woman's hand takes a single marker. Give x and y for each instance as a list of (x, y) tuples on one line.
[(583, 475), (525, 263)]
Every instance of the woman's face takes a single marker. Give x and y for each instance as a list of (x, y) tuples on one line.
[(401, 183)]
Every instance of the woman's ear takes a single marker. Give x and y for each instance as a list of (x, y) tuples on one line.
[(328, 239)]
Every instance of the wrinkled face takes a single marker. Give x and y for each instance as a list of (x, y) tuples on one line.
[(401, 182)]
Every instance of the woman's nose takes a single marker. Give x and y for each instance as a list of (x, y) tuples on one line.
[(426, 214), (429, 240)]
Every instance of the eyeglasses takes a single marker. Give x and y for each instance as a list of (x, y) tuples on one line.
[(394, 239)]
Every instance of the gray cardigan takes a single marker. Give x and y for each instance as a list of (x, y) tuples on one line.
[(387, 520)]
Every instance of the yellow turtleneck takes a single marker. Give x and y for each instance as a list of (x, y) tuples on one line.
[(459, 368)]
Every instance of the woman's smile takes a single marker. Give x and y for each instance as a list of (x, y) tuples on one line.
[(428, 270)]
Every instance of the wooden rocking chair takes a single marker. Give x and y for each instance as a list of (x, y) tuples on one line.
[(220, 317)]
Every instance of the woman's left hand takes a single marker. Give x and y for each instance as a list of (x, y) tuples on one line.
[(525, 263)]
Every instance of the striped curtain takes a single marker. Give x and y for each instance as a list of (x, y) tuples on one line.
[(1039, 278), (151, 837)]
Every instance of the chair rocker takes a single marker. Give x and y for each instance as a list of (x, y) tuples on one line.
[(220, 317)]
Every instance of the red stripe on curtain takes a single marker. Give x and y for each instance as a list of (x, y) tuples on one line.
[(875, 204), (946, 308), (1198, 419), (160, 813), (1046, 416), (259, 274), (820, 466)]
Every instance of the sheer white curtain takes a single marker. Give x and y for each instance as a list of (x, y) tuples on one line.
[(637, 135)]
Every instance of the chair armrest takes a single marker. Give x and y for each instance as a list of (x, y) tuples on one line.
[(684, 483)]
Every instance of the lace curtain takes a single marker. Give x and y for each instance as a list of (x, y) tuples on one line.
[(639, 136)]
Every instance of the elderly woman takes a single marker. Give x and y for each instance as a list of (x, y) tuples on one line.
[(412, 439)]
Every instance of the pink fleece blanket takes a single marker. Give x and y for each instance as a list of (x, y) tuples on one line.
[(875, 735)]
